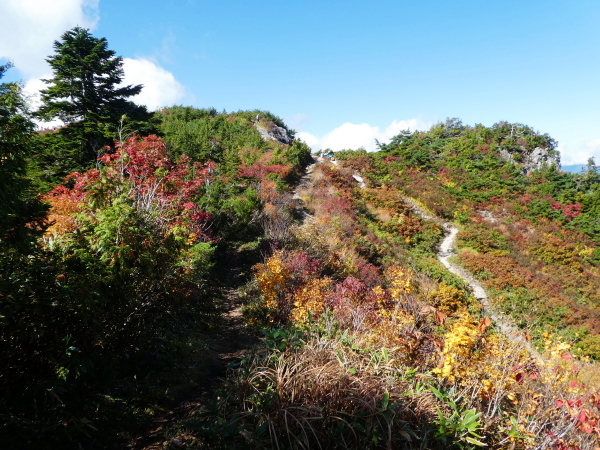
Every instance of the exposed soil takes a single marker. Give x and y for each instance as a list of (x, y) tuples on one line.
[(229, 341)]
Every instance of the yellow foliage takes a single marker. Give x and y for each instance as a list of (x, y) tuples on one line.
[(555, 347), (400, 282), (272, 277), (448, 299), (447, 182), (459, 344), (192, 238), (309, 300), (558, 364)]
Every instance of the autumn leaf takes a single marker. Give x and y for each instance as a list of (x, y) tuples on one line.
[(484, 324), (440, 317), (427, 309)]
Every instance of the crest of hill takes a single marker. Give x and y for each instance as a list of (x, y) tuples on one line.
[(206, 134), (452, 142), (528, 229)]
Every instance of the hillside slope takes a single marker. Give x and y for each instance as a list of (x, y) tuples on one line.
[(113, 322), (104, 321), (372, 343)]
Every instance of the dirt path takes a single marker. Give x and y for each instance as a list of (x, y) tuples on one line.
[(445, 253), (231, 339), (306, 179), (304, 182)]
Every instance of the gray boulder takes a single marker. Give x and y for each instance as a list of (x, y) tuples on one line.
[(533, 160), (273, 132)]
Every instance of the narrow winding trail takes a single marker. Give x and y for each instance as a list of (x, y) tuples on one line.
[(445, 253), (304, 182)]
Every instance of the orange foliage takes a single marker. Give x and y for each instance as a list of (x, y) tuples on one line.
[(63, 206)]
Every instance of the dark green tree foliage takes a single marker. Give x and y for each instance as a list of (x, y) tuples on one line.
[(18, 206), (86, 76), (84, 93), (21, 220), (520, 136), (206, 135), (589, 220), (96, 302)]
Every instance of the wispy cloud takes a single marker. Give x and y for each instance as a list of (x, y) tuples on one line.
[(167, 47), (298, 121)]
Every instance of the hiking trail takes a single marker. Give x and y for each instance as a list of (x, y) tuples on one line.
[(446, 252)]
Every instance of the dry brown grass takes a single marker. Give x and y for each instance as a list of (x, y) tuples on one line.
[(329, 395)]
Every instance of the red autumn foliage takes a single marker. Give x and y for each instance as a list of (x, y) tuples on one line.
[(569, 210), (152, 180), (352, 301), (260, 171)]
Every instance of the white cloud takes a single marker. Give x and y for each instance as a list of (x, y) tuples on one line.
[(160, 86), (591, 148), (579, 153), (351, 136), (30, 27), (354, 136), (311, 140), (31, 90)]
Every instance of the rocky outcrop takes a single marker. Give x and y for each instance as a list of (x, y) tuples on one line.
[(532, 160), (270, 131)]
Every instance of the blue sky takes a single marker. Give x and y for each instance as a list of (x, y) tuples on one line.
[(344, 73)]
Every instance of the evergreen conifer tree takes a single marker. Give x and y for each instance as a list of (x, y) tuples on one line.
[(19, 210), (85, 93)]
